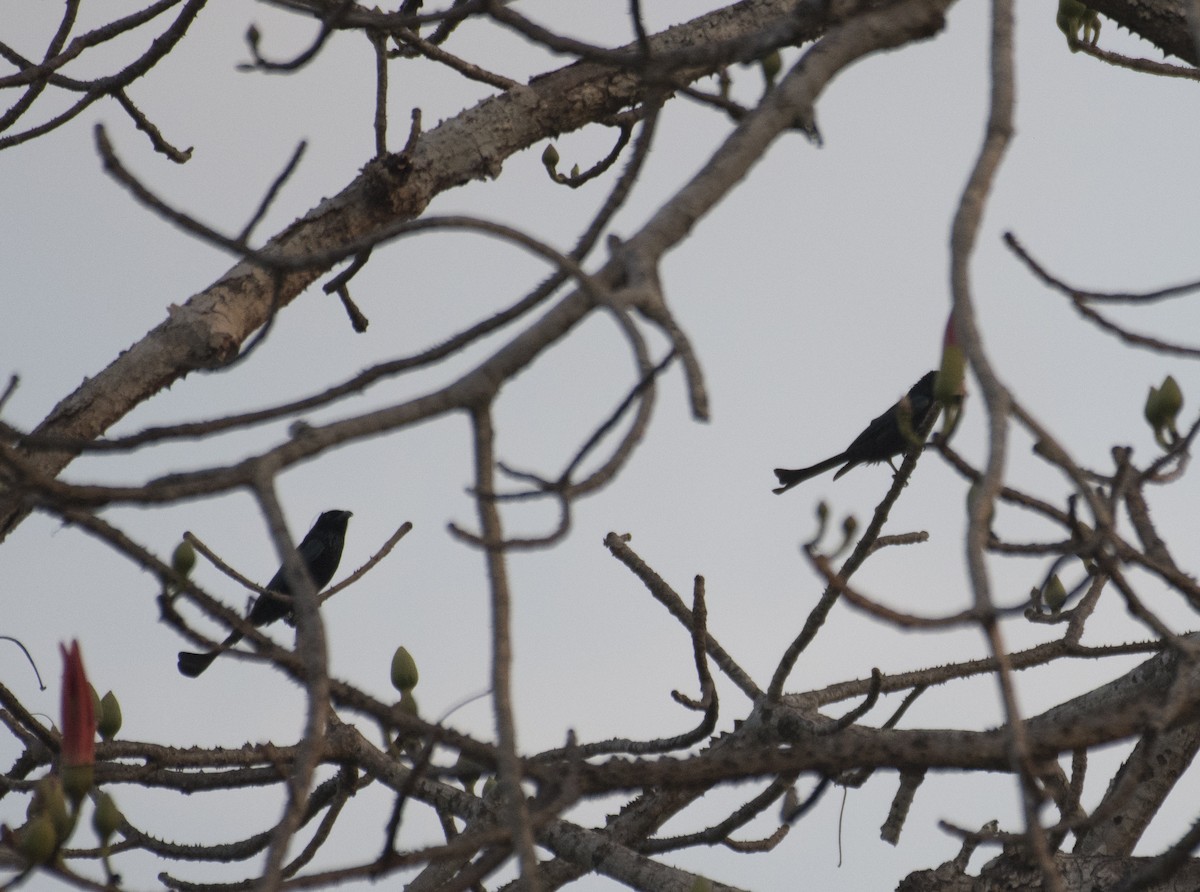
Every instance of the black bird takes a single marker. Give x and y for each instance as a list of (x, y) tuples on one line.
[(882, 439), (321, 551)]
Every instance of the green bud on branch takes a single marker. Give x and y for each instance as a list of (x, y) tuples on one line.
[(1054, 593), (1162, 409), (109, 716), (106, 817), (184, 558), (404, 670)]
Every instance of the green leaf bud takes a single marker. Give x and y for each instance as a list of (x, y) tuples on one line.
[(468, 770), (109, 722), (1054, 593), (106, 817), (37, 840), (404, 670), (1161, 410), (184, 558), (48, 799)]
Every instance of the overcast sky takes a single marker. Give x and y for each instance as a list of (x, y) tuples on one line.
[(815, 294)]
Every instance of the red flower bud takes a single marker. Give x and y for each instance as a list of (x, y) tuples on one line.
[(78, 725)]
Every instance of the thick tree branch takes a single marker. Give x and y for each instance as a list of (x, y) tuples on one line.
[(207, 331)]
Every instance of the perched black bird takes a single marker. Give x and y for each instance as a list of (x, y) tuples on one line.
[(882, 439), (321, 551)]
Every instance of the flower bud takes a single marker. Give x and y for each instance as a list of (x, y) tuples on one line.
[(48, 799), (1054, 593), (106, 817), (1162, 408), (184, 558), (550, 157), (37, 840), (822, 514), (78, 726), (109, 722), (404, 670), (950, 384), (468, 770), (849, 528)]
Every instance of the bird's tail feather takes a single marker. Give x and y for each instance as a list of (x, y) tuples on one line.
[(790, 477), (192, 664)]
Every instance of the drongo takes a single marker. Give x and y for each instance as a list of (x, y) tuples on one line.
[(882, 439), (321, 551)]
